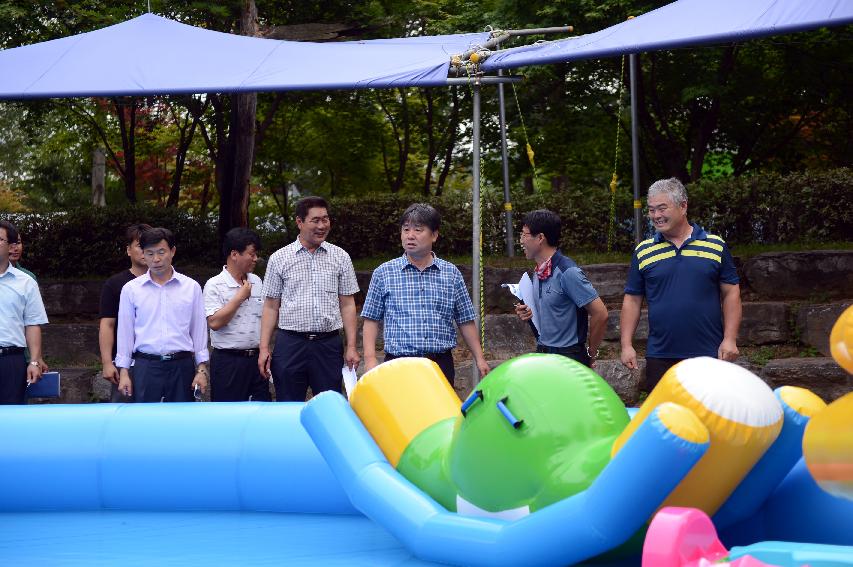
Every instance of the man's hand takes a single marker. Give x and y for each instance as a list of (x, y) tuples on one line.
[(351, 357), (33, 373), (483, 367), (523, 311), (728, 350), (125, 385), (245, 290), (264, 360), (629, 357), (200, 380), (111, 373)]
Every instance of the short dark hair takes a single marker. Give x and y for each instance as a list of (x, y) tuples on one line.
[(421, 213), (134, 232), (305, 204), (239, 238), (152, 236), (12, 234), (543, 221)]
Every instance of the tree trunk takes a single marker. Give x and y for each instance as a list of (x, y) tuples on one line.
[(236, 162), (452, 130), (99, 163)]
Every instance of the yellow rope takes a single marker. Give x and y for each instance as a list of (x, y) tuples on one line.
[(611, 225), (530, 153)]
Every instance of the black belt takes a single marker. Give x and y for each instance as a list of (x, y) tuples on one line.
[(248, 353), (312, 336), (576, 349), (429, 355), (163, 357), (7, 350)]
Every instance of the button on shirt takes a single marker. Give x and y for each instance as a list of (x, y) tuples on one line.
[(243, 331), (20, 306), (418, 307), (308, 285), (161, 319)]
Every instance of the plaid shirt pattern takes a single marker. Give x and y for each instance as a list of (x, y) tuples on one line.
[(418, 307), (309, 285)]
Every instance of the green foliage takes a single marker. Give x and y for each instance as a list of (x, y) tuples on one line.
[(90, 241), (768, 208)]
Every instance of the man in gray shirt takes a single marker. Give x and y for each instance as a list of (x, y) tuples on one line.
[(309, 291)]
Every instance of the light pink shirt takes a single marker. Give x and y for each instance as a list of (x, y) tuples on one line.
[(161, 319)]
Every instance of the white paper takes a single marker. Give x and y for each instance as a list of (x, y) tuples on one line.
[(524, 291), (350, 378)]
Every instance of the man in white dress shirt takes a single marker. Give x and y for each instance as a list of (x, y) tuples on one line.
[(161, 328), (233, 303)]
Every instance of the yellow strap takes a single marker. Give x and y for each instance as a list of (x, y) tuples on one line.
[(657, 258), (650, 249), (704, 244), (700, 254)]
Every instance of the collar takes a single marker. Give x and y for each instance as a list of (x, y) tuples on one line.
[(11, 271), (405, 262), (229, 279), (147, 278), (300, 247), (698, 233)]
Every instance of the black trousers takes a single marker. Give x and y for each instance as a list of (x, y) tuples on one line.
[(575, 352), (299, 362), (234, 377), (655, 369), (163, 380), (13, 379), (443, 359)]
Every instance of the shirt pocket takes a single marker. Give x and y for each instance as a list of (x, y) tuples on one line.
[(442, 299)]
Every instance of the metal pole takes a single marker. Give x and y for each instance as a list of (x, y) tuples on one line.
[(510, 247), (475, 234), (635, 149)]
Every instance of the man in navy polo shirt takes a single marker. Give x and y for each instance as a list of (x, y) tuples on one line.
[(568, 306), (690, 284)]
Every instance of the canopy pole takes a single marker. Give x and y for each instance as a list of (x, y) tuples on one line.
[(510, 248), (635, 149), (476, 235)]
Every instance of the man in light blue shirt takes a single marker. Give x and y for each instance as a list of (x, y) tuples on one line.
[(22, 311)]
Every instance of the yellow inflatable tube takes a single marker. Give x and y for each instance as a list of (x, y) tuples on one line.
[(400, 398), (741, 413)]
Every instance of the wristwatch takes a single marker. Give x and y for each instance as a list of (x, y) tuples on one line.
[(34, 363), (591, 354)]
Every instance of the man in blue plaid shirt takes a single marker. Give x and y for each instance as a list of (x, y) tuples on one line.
[(419, 296)]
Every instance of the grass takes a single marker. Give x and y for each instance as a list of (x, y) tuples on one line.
[(588, 257)]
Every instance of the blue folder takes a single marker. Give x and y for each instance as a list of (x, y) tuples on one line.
[(47, 387)]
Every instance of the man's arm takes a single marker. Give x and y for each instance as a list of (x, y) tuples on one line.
[(224, 314), (32, 334), (198, 335), (472, 339), (597, 325), (369, 333), (106, 341), (628, 321), (269, 320), (732, 314), (349, 316)]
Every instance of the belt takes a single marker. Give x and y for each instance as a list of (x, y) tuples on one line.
[(163, 357), (421, 355), (7, 350), (248, 353), (576, 349), (312, 336)]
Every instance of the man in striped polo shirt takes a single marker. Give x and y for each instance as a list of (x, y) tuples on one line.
[(690, 284)]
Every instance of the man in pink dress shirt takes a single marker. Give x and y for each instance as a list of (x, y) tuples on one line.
[(162, 329)]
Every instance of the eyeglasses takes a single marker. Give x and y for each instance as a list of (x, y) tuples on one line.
[(4, 240)]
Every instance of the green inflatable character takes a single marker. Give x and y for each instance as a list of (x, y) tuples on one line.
[(538, 428)]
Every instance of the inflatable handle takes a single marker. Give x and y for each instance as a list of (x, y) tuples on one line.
[(469, 401), (516, 423)]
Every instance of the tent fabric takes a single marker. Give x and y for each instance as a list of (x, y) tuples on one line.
[(154, 55), (680, 24)]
